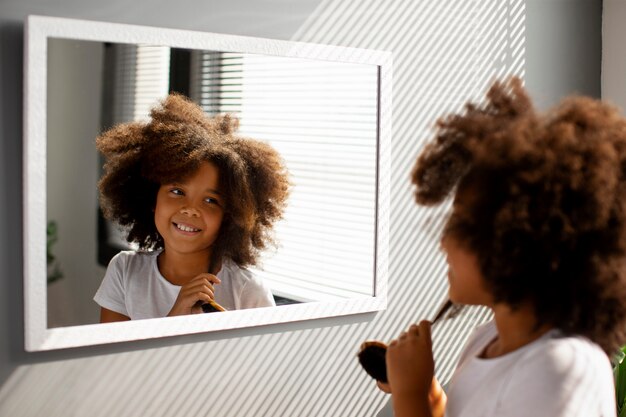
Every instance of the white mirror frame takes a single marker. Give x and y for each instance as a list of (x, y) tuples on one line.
[(37, 335)]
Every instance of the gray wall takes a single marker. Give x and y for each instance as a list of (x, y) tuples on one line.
[(563, 49), (444, 52), (72, 200), (613, 56)]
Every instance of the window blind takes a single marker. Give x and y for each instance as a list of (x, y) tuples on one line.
[(140, 78), (322, 117)]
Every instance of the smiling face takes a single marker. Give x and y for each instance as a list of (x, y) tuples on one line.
[(189, 213)]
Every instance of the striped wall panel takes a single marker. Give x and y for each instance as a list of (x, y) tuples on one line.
[(445, 51)]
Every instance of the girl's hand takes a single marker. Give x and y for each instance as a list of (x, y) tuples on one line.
[(437, 398), (410, 364), (192, 295), (384, 387)]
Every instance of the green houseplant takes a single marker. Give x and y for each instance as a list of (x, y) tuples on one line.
[(620, 382), (54, 271)]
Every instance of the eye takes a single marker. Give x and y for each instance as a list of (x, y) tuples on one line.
[(176, 191), (211, 200)]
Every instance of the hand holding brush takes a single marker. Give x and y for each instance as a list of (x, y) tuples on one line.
[(372, 352)]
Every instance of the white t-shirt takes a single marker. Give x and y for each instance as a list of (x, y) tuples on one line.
[(554, 376), (134, 287)]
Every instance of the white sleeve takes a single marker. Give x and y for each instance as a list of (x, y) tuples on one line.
[(111, 294), (562, 380), (256, 294)]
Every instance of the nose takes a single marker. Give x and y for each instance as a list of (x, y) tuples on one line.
[(190, 211)]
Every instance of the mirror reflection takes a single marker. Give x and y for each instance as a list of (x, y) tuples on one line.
[(321, 117)]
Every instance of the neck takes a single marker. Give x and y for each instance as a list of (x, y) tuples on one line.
[(180, 268), (516, 328)]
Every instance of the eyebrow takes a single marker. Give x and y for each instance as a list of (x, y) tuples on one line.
[(211, 190)]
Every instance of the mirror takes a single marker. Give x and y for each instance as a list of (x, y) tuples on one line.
[(324, 108)]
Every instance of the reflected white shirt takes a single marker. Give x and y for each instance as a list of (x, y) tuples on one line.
[(133, 286)]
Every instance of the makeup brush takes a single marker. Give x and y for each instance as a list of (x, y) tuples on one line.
[(372, 352), (212, 307)]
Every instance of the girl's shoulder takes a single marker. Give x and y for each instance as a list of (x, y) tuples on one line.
[(136, 254), (568, 375), (550, 352), (234, 271), (561, 354), (240, 276), (248, 288), (563, 364), (133, 259)]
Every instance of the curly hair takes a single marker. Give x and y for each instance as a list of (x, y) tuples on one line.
[(170, 147), (547, 213)]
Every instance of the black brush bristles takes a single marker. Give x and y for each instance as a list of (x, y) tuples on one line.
[(212, 307), (372, 359)]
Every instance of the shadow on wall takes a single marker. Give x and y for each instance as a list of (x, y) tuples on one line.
[(11, 271), (445, 52)]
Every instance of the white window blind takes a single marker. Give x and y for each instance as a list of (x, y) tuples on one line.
[(322, 117), (140, 78)]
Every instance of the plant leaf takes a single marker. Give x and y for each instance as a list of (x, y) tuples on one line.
[(620, 383)]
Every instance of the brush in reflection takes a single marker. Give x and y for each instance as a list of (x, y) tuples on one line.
[(212, 307)]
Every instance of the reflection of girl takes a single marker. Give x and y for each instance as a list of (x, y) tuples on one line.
[(199, 201), (537, 233)]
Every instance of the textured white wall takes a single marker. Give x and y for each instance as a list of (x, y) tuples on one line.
[(445, 51)]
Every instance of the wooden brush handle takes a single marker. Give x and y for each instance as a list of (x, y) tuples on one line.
[(372, 353)]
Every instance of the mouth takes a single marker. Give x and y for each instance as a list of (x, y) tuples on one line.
[(187, 229)]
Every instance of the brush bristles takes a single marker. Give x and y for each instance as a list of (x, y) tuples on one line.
[(372, 359)]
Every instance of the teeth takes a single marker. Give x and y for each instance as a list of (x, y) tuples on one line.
[(187, 229)]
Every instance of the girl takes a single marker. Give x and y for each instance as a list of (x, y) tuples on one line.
[(537, 233), (199, 201)]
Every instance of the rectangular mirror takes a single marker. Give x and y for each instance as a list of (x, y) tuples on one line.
[(326, 109)]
